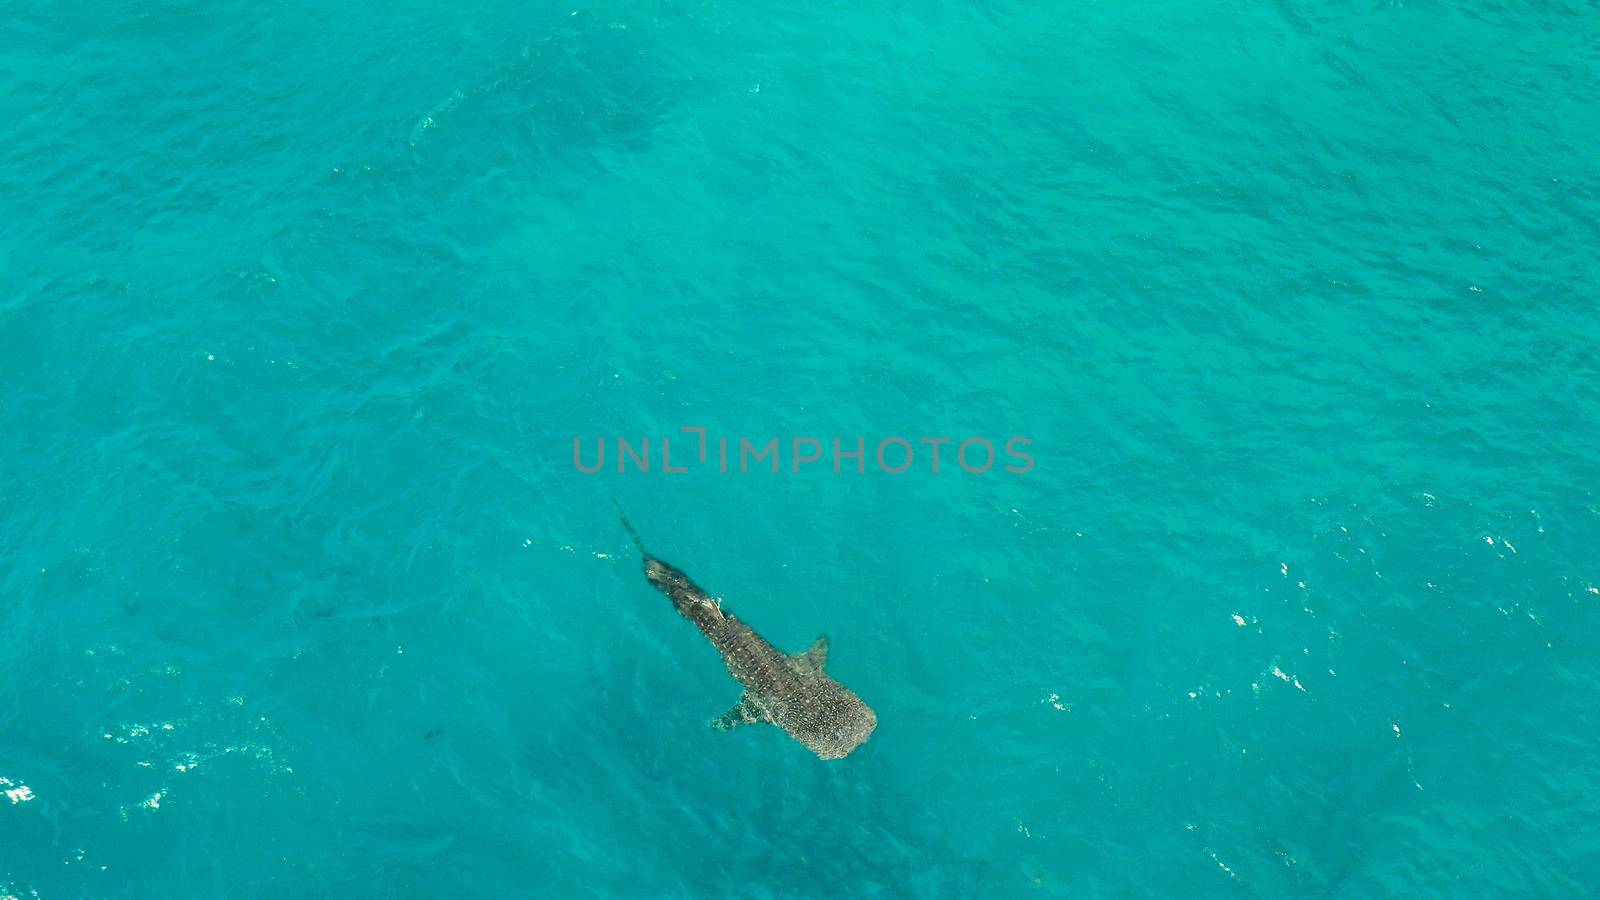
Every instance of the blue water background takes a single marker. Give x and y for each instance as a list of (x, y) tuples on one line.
[(302, 304)]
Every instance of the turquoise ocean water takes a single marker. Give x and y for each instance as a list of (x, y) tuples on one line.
[(301, 306)]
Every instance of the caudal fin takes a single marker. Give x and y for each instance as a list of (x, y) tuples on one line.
[(632, 532)]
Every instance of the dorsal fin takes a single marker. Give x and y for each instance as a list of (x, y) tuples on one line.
[(816, 656)]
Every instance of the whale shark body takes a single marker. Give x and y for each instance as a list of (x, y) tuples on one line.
[(791, 691)]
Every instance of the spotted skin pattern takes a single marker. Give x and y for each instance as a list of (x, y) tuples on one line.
[(790, 691)]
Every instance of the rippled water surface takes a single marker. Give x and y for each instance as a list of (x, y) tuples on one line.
[(301, 306)]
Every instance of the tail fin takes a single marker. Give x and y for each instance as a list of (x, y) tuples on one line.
[(632, 532)]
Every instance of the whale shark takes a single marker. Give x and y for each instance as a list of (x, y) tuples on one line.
[(791, 691)]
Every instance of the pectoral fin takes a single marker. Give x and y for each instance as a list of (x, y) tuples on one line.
[(743, 713), (817, 656)]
